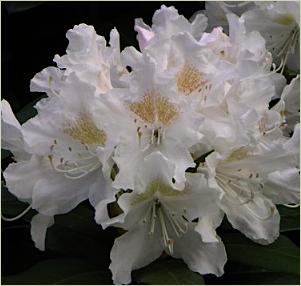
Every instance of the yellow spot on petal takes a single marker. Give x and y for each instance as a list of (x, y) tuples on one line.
[(285, 20), (157, 186), (189, 79), (154, 108), (238, 155), (85, 130)]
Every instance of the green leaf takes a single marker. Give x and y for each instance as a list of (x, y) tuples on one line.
[(280, 256), (5, 154), (290, 218), (89, 278), (264, 278), (167, 272), (50, 271), (77, 234), (13, 7), (289, 73), (81, 219), (241, 274), (28, 111)]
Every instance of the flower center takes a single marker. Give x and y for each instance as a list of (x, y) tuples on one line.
[(85, 130), (189, 79), (170, 222), (155, 108)]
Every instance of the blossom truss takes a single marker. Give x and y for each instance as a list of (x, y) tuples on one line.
[(278, 22), (183, 139)]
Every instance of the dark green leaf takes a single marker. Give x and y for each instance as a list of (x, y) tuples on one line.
[(4, 154), (280, 256), (70, 243), (263, 278), (241, 274), (49, 272), (290, 218), (13, 7), (290, 74), (90, 278), (167, 272), (81, 219), (28, 111), (76, 234)]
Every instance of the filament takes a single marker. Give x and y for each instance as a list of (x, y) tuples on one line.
[(18, 216), (292, 206)]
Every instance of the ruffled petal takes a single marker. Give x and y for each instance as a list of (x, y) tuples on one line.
[(207, 224), (49, 80), (283, 186), (11, 131), (100, 195), (131, 251), (54, 194), (204, 258), (21, 177), (258, 219)]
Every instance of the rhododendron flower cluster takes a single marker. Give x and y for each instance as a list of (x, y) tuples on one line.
[(177, 135)]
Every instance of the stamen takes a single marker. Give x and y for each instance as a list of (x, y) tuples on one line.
[(292, 206), (167, 241), (69, 176), (18, 216), (153, 219), (233, 193), (289, 45), (85, 130), (189, 79), (154, 108), (80, 170)]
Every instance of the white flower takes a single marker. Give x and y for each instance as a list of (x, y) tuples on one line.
[(88, 57), (252, 181), (235, 115), (159, 219), (216, 12), (289, 105), (167, 22), (278, 23), (12, 136), (69, 144), (158, 120)]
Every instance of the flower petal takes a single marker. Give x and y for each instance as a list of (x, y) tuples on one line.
[(21, 177), (54, 194), (258, 219), (131, 251), (200, 257), (283, 186), (11, 131), (207, 224), (39, 225)]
